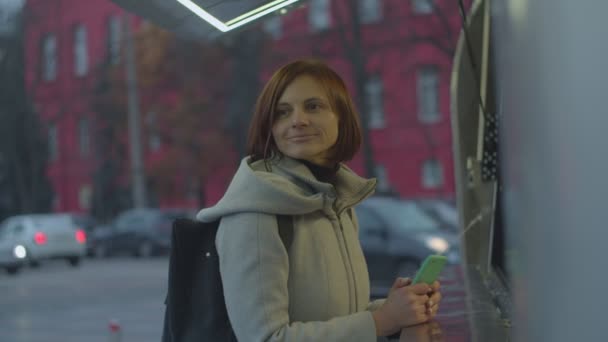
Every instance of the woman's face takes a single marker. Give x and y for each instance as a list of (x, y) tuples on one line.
[(305, 126)]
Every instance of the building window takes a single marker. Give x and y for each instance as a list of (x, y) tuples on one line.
[(49, 58), (383, 184), (114, 39), (370, 11), (422, 6), (53, 137), (81, 53), (318, 14), (84, 137), (273, 27), (375, 102), (428, 95), (154, 140), (432, 174)]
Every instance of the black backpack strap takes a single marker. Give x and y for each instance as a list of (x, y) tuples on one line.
[(285, 223)]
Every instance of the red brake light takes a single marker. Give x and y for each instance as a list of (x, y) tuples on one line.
[(81, 236), (40, 238)]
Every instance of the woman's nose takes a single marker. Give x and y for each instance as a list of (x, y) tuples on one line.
[(299, 118)]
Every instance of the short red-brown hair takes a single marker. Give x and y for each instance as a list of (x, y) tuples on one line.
[(261, 144)]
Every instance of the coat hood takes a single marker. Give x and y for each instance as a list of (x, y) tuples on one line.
[(286, 186)]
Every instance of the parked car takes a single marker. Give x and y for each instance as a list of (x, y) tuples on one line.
[(34, 238), (84, 221), (397, 235), (140, 232), (12, 255), (443, 211)]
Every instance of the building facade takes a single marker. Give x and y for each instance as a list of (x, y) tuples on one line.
[(406, 48)]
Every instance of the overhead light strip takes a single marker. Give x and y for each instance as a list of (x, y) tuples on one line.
[(269, 6), (240, 20), (196, 9)]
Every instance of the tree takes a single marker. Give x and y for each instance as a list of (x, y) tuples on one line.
[(180, 82), (440, 33), (110, 193), (24, 186), (246, 51)]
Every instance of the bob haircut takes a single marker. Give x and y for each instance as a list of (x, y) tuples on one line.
[(261, 144)]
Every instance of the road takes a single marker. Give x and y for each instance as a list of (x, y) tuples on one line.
[(57, 303)]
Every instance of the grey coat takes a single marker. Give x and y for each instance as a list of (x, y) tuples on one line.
[(321, 290)]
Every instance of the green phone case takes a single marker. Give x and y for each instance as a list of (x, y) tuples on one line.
[(430, 269)]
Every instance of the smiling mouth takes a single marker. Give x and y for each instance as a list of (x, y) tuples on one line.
[(302, 137)]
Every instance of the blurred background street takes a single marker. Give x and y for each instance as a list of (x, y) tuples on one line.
[(57, 303)]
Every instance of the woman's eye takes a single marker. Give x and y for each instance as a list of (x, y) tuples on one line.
[(314, 106), (281, 113)]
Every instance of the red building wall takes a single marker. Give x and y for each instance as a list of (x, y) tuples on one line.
[(66, 99), (402, 146), (395, 48)]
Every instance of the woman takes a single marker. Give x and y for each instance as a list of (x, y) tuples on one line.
[(317, 289)]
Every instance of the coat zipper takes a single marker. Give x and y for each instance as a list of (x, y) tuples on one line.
[(352, 277)]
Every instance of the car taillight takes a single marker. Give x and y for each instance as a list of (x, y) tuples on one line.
[(81, 236), (40, 238)]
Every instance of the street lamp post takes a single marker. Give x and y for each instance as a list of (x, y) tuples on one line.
[(137, 165)]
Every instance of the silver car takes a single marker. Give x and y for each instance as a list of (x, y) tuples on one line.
[(33, 238)]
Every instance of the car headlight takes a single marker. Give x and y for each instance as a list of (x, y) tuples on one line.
[(19, 252), (439, 245)]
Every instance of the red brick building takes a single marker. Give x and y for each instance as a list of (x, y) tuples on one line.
[(406, 47)]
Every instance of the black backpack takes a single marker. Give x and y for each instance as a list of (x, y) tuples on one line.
[(195, 308)]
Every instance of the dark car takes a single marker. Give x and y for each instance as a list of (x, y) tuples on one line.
[(443, 211), (84, 221), (396, 236), (140, 232)]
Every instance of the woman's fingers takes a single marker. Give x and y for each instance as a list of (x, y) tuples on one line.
[(436, 286), (435, 298)]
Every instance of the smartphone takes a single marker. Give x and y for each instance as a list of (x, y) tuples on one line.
[(430, 269)]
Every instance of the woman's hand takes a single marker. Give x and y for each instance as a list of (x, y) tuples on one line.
[(434, 299), (406, 305)]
